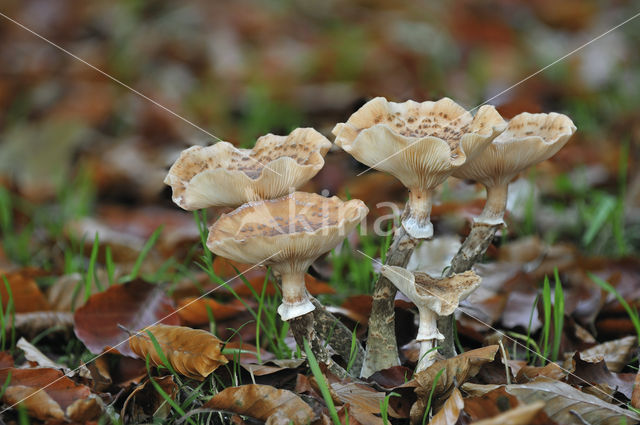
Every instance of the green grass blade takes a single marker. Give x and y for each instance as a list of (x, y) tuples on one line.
[(546, 305), (322, 383), (633, 314), (558, 316), (143, 254)]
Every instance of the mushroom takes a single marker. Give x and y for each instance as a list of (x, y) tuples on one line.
[(527, 140), (287, 234), (223, 175), (433, 297), (420, 144)]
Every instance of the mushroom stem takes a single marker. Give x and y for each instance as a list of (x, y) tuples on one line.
[(427, 335), (302, 328), (295, 300), (495, 206), (472, 250), (382, 347), (427, 355), (418, 220)]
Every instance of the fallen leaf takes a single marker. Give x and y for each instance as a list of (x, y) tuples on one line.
[(64, 295), (194, 353), (32, 324), (615, 353), (134, 305), (521, 415), (58, 389), (457, 370), (597, 373), (25, 292), (529, 373), (145, 402), (195, 311), (561, 400), (32, 354), (361, 397), (37, 403), (448, 413), (261, 402)]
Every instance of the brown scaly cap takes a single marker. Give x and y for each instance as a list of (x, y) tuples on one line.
[(420, 144), (288, 234), (528, 140), (223, 175)]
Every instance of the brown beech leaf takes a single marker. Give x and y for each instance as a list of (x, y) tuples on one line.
[(448, 413), (361, 397), (561, 400), (38, 403), (457, 369), (521, 415), (529, 373), (194, 353), (58, 389), (261, 402), (133, 305), (26, 294), (195, 311), (493, 403)]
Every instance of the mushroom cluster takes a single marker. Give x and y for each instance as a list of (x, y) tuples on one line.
[(273, 225), (421, 144)]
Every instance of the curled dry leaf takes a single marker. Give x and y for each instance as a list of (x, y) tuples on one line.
[(145, 402), (133, 305), (449, 413), (191, 352), (561, 400), (494, 403), (262, 402), (615, 353), (51, 394), (521, 415), (457, 370), (635, 396)]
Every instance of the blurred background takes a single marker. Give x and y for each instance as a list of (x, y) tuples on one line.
[(76, 144)]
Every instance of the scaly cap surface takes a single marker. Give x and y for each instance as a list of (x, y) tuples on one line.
[(528, 140), (291, 231), (223, 175), (420, 144)]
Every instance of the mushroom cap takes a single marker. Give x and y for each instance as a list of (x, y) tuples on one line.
[(418, 143), (223, 175), (441, 296), (288, 233), (528, 140)]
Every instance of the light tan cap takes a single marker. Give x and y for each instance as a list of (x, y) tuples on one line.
[(288, 233), (528, 140), (418, 143), (223, 175)]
